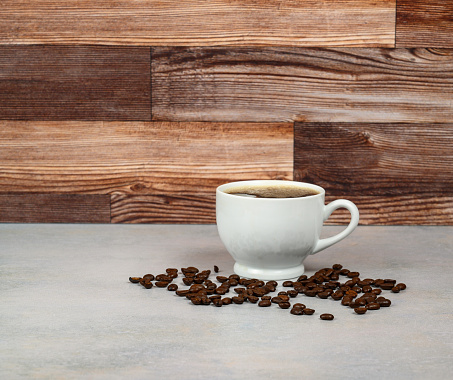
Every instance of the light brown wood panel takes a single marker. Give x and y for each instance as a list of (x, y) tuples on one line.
[(200, 22), (54, 208), (426, 23), (74, 83), (397, 210), (140, 158), (397, 173), (190, 208), (303, 84)]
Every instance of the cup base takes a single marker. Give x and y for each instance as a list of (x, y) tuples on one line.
[(268, 274)]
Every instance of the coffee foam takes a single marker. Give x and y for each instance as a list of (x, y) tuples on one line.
[(272, 191)]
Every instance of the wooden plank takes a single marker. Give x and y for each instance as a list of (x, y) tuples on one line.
[(397, 210), (139, 158), (398, 173), (190, 208), (303, 84), (75, 83), (54, 208), (424, 23), (200, 22)]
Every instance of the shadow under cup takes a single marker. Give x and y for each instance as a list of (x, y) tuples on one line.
[(269, 238)]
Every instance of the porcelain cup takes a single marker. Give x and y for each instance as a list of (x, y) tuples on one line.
[(269, 238)]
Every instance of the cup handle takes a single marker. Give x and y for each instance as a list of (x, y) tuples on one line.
[(328, 210)]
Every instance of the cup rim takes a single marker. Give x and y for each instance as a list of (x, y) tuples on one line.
[(221, 189)]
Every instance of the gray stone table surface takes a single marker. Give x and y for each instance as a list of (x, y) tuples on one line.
[(68, 310)]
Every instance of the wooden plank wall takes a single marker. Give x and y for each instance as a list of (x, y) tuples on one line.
[(134, 112)]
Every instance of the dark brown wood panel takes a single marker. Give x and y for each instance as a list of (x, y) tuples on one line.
[(54, 208), (398, 173), (397, 210), (424, 23), (75, 83), (303, 84), (200, 22), (139, 158), (190, 208)]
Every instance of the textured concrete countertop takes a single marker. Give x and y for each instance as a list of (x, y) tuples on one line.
[(68, 311)]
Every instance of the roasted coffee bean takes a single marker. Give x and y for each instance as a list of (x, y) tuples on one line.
[(360, 310), (349, 283), (162, 284), (396, 289), (227, 301), (337, 296), (222, 279), (206, 300), (187, 281), (172, 287), (284, 305), (386, 286), (344, 272), (376, 291), (384, 302), (326, 317), (308, 311), (196, 300), (367, 288), (357, 289), (237, 300), (252, 299), (196, 287), (148, 284), (401, 285), (272, 283), (259, 292), (297, 311), (361, 301), (198, 280), (299, 305), (149, 277), (287, 284), (189, 270), (276, 300), (240, 290), (346, 301), (373, 306), (182, 292), (163, 277), (337, 266), (233, 282), (354, 304), (302, 278), (269, 288), (221, 290), (285, 298), (135, 280), (310, 292), (353, 274), (211, 286), (323, 295), (390, 281), (171, 270), (234, 277), (216, 296), (266, 298), (293, 293), (216, 269), (264, 303), (217, 302), (351, 293), (282, 293)]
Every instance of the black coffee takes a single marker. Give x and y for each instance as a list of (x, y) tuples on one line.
[(272, 191)]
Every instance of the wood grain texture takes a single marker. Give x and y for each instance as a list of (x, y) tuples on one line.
[(75, 83), (303, 84), (397, 173), (200, 22), (190, 208), (182, 160), (54, 208), (424, 23), (397, 210)]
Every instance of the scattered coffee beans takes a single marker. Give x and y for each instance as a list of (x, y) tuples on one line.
[(360, 295)]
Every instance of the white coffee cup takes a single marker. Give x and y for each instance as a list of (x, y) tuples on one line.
[(269, 238)]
